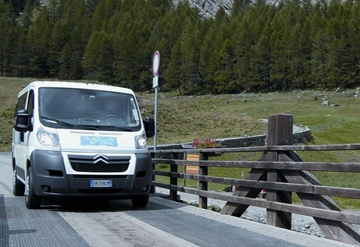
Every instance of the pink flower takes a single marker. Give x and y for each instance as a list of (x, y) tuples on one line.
[(205, 143)]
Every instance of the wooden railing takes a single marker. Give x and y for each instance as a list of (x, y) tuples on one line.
[(280, 170)]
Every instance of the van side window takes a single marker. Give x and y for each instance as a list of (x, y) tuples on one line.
[(21, 104), (30, 105), (135, 118)]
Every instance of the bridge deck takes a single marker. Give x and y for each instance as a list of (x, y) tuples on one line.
[(179, 224)]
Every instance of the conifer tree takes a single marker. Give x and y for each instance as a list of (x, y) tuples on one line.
[(260, 78), (242, 43), (302, 56), (38, 37), (105, 59), (206, 51), (260, 46), (58, 39), (354, 41), (9, 51), (6, 24), (173, 76), (190, 51), (319, 63), (226, 81), (90, 62), (53, 11), (320, 47), (72, 55), (26, 18), (21, 57)]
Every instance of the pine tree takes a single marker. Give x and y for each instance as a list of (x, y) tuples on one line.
[(173, 76), (354, 42), (105, 59), (73, 53), (340, 56), (26, 18), (90, 62), (320, 63), (302, 56), (226, 81), (58, 39), (6, 24), (321, 47), (242, 46), (190, 52), (9, 51), (260, 78), (53, 11), (21, 57)]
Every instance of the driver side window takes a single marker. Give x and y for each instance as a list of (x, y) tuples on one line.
[(30, 105)]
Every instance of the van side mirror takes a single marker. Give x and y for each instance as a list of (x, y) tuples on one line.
[(23, 121), (149, 124)]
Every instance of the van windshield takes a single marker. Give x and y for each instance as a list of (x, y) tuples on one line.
[(88, 109)]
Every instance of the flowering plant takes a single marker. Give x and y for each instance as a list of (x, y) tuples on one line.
[(205, 143)]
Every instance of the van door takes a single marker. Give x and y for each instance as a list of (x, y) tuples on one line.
[(21, 141)]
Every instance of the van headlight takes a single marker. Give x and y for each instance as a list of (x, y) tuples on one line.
[(140, 141), (48, 139)]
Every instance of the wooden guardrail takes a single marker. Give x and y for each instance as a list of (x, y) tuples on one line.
[(281, 171)]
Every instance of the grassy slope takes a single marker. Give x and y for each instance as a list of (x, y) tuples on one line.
[(9, 88), (180, 119), (328, 124)]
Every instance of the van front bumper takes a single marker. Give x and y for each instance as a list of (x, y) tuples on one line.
[(51, 181)]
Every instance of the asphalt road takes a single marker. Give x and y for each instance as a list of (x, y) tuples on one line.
[(116, 223)]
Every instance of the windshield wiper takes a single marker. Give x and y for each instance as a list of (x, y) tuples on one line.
[(113, 127), (87, 126), (58, 121), (106, 127)]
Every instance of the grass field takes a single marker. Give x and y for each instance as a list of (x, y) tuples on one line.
[(183, 118)]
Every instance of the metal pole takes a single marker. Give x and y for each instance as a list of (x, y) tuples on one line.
[(155, 117), (155, 69), (152, 189)]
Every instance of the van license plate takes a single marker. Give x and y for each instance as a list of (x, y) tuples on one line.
[(101, 183)]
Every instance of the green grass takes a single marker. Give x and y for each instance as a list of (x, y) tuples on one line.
[(9, 88), (183, 118), (328, 124)]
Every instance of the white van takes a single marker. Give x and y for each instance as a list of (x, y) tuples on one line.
[(78, 139)]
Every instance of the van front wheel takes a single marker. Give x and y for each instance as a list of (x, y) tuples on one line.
[(32, 201), (140, 201), (18, 186)]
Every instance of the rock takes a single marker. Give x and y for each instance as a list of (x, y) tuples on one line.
[(325, 103), (209, 8)]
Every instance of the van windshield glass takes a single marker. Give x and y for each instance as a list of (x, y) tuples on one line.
[(88, 109)]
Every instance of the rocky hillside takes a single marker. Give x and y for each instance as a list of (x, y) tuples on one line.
[(208, 8)]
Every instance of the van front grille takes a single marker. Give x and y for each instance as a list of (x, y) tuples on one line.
[(99, 163)]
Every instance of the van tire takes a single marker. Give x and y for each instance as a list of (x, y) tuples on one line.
[(18, 186), (140, 201), (32, 201)]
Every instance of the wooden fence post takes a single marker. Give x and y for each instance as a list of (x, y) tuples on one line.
[(280, 128), (173, 180), (202, 185)]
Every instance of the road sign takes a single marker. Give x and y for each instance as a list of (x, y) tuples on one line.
[(155, 81), (156, 63)]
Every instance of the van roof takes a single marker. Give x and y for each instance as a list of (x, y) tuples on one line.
[(82, 85)]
